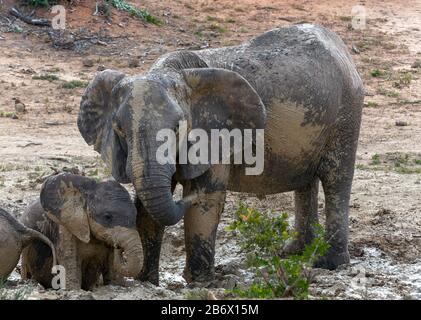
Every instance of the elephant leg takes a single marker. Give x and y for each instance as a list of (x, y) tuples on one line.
[(336, 173), (24, 271), (110, 274), (201, 223), (151, 234), (306, 215), (68, 257)]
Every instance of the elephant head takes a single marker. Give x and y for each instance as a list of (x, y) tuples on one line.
[(102, 210), (121, 117)]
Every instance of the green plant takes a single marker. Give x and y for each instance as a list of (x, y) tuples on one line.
[(403, 80), (375, 159), (6, 114), (217, 28), (198, 34), (75, 84), (41, 3), (388, 93), (142, 14), (376, 73), (264, 237), (211, 18), (47, 76), (372, 104), (345, 18)]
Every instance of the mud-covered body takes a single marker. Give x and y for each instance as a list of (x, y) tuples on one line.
[(96, 257), (297, 83), (14, 238), (307, 82), (91, 224)]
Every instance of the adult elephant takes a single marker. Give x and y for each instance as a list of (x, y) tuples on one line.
[(298, 83)]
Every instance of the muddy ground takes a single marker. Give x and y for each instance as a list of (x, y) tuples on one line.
[(385, 208)]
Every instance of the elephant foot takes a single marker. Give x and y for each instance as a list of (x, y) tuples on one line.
[(332, 260), (292, 247), (151, 276), (199, 280)]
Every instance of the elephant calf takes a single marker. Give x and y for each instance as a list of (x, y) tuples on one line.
[(14, 237), (91, 224)]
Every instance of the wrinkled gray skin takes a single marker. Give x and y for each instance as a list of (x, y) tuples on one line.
[(298, 83), (14, 237), (91, 225)]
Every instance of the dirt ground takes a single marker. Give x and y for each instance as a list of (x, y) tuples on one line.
[(385, 208)]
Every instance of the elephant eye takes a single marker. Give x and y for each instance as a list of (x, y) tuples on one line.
[(108, 217), (118, 130)]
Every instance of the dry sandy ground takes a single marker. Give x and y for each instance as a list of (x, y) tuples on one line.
[(385, 213)]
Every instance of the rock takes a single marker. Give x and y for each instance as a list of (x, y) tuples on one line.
[(355, 49), (400, 123), (229, 282), (416, 64), (133, 63), (19, 106), (88, 63)]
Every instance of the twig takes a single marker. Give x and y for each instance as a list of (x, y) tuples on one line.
[(30, 144), (27, 19)]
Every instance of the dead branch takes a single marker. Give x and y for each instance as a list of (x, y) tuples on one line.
[(27, 19)]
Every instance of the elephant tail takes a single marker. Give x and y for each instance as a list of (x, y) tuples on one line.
[(36, 235)]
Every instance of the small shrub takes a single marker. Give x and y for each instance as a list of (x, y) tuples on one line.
[(345, 18), (375, 159), (4, 114), (372, 104), (388, 93), (263, 238), (403, 80), (211, 18), (217, 28), (198, 34), (136, 12), (376, 73), (41, 3), (75, 84), (47, 76)]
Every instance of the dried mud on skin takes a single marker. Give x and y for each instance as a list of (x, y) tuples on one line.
[(385, 217)]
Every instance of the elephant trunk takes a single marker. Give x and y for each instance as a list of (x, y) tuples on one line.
[(152, 182), (129, 242)]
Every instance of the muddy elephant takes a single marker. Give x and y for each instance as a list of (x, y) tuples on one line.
[(91, 224), (15, 237), (298, 83)]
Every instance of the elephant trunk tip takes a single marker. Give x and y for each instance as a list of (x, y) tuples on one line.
[(130, 245)]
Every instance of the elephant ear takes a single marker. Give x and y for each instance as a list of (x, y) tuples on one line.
[(97, 107), (95, 121), (64, 198), (221, 99)]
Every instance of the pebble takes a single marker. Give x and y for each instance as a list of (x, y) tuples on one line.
[(88, 63), (400, 123)]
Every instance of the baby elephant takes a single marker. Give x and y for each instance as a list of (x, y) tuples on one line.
[(14, 237), (91, 224)]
